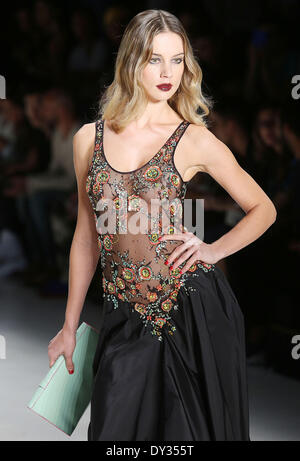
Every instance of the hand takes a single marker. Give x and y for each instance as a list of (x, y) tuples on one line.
[(192, 248), (63, 343)]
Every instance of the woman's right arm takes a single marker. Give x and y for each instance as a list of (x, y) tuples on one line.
[(84, 252)]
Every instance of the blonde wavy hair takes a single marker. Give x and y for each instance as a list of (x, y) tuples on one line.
[(125, 99)]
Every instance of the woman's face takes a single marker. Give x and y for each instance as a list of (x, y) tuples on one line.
[(166, 65)]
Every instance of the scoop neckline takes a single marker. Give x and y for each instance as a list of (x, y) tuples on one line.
[(152, 158)]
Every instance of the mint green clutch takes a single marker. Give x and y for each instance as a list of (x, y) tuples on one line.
[(62, 398)]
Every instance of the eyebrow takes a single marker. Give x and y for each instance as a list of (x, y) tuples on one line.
[(157, 54)]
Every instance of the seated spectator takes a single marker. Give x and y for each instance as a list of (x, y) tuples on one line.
[(258, 152), (51, 187), (58, 111), (268, 153), (229, 124), (24, 149)]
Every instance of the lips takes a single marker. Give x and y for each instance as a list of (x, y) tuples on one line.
[(164, 86)]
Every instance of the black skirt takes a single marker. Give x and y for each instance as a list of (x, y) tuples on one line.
[(192, 386)]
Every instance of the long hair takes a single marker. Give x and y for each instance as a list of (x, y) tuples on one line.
[(125, 99)]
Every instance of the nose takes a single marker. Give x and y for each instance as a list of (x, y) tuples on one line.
[(166, 70)]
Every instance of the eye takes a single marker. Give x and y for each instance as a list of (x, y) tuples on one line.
[(178, 60)]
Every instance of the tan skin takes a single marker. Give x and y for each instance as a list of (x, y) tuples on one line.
[(198, 150)]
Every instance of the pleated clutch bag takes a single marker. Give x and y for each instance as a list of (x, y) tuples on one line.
[(62, 398)]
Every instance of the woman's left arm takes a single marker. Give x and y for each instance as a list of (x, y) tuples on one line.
[(219, 162), (212, 156)]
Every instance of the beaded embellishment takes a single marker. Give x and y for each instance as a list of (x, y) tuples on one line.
[(133, 268)]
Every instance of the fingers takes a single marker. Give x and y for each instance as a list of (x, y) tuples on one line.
[(183, 259), (188, 264), (52, 360), (175, 255), (53, 353), (68, 361), (69, 364)]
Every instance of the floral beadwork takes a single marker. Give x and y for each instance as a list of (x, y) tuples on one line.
[(133, 268)]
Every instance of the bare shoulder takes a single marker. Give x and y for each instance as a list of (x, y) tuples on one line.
[(83, 144), (85, 136), (205, 148)]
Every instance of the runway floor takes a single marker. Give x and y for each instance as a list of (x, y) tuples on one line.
[(28, 322)]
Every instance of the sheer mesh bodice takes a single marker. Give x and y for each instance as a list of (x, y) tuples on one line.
[(144, 204)]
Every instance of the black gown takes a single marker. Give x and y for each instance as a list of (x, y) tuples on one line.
[(170, 363)]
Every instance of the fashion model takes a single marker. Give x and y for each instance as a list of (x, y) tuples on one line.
[(170, 363)]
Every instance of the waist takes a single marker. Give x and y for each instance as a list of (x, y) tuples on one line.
[(149, 282), (151, 296)]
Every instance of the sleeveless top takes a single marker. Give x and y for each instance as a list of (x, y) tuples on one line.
[(133, 263)]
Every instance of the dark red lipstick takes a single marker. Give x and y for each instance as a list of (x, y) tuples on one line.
[(164, 86)]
